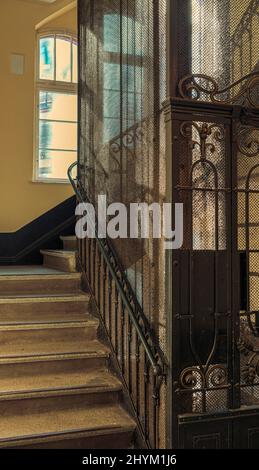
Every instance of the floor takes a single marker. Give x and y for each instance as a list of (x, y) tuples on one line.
[(27, 270)]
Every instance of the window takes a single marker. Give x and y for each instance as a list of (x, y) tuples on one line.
[(56, 98), (123, 74)]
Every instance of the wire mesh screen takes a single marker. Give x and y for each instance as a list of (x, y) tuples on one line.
[(248, 245), (122, 138), (122, 132), (221, 43), (218, 40), (202, 182), (224, 38)]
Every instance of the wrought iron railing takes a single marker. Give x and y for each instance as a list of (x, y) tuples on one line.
[(141, 363)]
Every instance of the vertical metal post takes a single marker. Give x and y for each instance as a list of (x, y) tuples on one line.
[(179, 34)]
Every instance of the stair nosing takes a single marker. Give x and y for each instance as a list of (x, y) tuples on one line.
[(18, 298), (67, 435), (41, 323), (41, 277), (66, 298), (42, 393), (68, 237), (60, 253), (47, 325), (32, 358)]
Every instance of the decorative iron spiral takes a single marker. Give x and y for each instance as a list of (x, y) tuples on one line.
[(193, 86), (189, 378), (217, 376), (247, 144)]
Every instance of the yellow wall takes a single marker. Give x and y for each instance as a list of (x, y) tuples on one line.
[(21, 200)]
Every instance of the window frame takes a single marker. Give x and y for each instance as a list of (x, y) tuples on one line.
[(52, 86), (123, 59)]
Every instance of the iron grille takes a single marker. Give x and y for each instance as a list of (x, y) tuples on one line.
[(216, 177), (122, 144)]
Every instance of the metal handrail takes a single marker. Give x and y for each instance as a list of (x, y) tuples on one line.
[(155, 360)]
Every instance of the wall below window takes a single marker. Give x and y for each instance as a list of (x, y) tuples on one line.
[(22, 200)]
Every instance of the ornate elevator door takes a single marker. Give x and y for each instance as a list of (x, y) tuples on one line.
[(213, 125), (215, 274)]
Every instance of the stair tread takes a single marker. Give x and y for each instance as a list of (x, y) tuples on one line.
[(64, 260), (53, 357), (59, 275), (29, 295), (54, 380), (69, 297), (48, 347), (44, 309), (20, 271), (59, 253), (51, 321), (68, 237), (91, 418), (96, 379)]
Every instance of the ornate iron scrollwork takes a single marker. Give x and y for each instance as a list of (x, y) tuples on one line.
[(127, 141), (248, 348), (250, 371), (247, 141), (133, 136), (204, 131), (193, 86), (205, 176), (193, 378)]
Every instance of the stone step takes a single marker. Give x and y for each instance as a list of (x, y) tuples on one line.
[(20, 310), (47, 285), (118, 438), (49, 348), (93, 358), (50, 376), (60, 401), (61, 260), (69, 243), (62, 384), (30, 333), (77, 425), (56, 390)]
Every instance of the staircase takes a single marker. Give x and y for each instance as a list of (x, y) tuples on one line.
[(56, 390)]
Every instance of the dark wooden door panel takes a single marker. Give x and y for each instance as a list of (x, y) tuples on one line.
[(246, 433), (206, 435)]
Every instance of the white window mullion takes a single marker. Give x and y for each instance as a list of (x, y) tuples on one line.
[(55, 57), (71, 60)]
